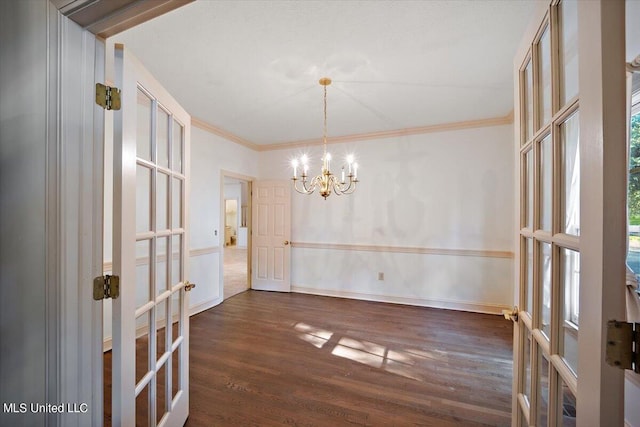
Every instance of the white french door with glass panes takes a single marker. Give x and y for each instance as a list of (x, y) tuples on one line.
[(150, 319), (551, 236)]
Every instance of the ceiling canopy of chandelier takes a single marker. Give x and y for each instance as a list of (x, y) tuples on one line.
[(326, 182)]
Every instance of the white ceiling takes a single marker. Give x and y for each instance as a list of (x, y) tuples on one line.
[(252, 67)]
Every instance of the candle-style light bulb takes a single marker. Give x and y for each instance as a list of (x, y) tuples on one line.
[(355, 171), (350, 162), (343, 174), (294, 163)]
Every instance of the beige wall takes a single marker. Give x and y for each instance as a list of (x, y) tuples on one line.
[(438, 193)]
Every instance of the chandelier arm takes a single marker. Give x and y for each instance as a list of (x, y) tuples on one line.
[(354, 187), (301, 191), (345, 189), (304, 189), (335, 185), (310, 188), (351, 188), (315, 183)]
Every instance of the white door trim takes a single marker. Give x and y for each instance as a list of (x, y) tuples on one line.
[(249, 179), (74, 222), (601, 52)]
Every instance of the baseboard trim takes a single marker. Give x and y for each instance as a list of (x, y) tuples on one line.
[(268, 288), (206, 305), (475, 307)]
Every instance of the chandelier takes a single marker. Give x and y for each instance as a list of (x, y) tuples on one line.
[(326, 182)]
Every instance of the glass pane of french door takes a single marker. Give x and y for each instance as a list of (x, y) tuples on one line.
[(570, 153), (568, 49), (570, 292), (544, 79)]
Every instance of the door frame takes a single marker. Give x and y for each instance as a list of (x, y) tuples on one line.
[(249, 180), (602, 67), (74, 220)]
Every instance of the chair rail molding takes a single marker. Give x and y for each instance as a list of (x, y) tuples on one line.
[(405, 249)]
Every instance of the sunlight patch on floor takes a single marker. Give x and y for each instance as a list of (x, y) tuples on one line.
[(368, 353), (377, 356), (364, 346), (359, 356), (314, 336), (402, 369)]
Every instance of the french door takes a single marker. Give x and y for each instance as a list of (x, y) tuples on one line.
[(271, 246), (150, 319), (567, 269)]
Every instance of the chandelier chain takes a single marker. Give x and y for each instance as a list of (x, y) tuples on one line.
[(324, 134)]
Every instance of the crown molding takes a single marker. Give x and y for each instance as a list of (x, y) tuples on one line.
[(368, 136), (223, 133)]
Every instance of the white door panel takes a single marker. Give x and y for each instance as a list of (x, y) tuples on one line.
[(272, 232)]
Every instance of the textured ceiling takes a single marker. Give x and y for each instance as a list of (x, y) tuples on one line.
[(252, 67)]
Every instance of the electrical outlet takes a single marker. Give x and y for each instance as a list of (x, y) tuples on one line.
[(381, 276), (215, 232)]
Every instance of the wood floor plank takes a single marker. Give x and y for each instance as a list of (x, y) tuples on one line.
[(273, 359), (264, 358)]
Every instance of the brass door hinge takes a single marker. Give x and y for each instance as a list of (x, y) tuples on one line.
[(106, 287), (623, 345), (107, 97)]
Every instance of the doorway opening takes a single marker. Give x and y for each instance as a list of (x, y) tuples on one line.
[(236, 198)]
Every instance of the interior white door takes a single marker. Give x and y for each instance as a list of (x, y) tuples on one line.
[(571, 233), (150, 320), (271, 247)]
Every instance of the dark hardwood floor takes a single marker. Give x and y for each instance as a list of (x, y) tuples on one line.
[(273, 359), (262, 359)]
